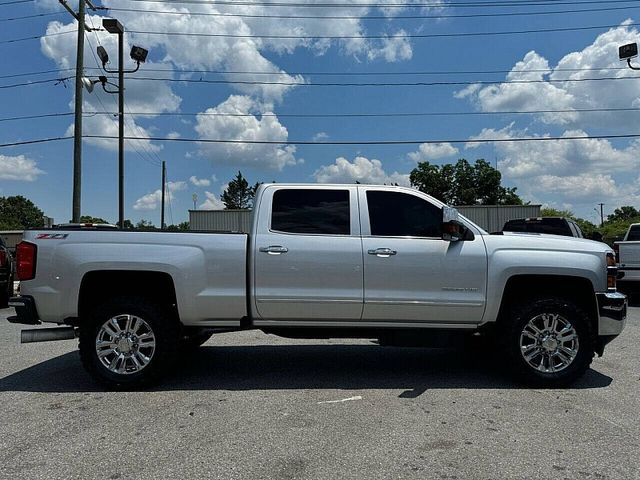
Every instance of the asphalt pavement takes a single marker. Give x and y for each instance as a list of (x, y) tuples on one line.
[(254, 406)]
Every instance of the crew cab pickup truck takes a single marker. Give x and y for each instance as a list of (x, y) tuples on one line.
[(628, 255), (322, 261)]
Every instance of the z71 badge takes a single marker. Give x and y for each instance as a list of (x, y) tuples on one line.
[(51, 236)]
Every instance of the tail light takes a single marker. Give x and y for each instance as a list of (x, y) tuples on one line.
[(616, 248), (612, 271), (3, 258), (26, 261)]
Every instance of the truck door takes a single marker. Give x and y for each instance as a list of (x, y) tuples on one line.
[(307, 256), (410, 273)]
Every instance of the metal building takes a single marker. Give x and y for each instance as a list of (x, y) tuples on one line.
[(490, 217), (493, 217), (220, 220)]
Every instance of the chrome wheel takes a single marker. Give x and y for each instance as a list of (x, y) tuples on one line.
[(125, 344), (549, 343)]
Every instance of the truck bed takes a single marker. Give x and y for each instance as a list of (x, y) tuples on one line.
[(208, 270)]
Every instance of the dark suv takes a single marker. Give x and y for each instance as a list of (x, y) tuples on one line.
[(6, 275), (553, 225)]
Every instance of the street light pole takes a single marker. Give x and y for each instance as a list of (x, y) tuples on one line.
[(139, 55)]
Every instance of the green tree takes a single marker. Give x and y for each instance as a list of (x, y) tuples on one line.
[(239, 195), (128, 225), (181, 227), (18, 213), (463, 184), (145, 225), (626, 213), (90, 219)]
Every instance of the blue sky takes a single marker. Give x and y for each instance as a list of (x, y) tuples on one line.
[(575, 174)]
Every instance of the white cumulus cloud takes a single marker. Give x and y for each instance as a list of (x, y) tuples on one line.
[(19, 168), (361, 169), (212, 202), (255, 127), (433, 151), (151, 201), (199, 182), (553, 90)]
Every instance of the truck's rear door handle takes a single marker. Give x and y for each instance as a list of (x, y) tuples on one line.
[(382, 252), (274, 249)]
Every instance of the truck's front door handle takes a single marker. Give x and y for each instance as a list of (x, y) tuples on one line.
[(274, 249), (382, 252)]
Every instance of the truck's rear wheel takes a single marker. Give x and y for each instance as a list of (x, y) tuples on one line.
[(128, 342), (548, 342)]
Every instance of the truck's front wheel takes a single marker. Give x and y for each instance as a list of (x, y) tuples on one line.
[(548, 342), (128, 342)]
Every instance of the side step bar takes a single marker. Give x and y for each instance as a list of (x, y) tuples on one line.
[(47, 334)]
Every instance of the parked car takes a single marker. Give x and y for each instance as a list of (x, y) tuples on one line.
[(6, 275), (551, 225), (322, 261), (628, 256)]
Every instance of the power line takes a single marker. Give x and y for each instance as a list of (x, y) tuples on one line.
[(380, 37), (451, 4), (25, 17), (350, 142), (29, 74), (341, 74), (31, 142), (37, 37), (37, 82), (328, 115), (370, 17), (378, 84), (341, 84), (375, 142), (14, 2), (345, 37)]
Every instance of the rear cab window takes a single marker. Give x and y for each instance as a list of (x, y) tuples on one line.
[(634, 233)]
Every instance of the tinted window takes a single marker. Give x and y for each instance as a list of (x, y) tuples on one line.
[(634, 233), (399, 214), (578, 231), (311, 211), (554, 226)]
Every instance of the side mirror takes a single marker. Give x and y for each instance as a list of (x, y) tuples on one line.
[(453, 230)]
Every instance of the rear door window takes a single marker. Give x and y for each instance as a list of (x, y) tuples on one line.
[(311, 211)]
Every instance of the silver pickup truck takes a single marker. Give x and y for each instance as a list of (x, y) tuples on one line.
[(322, 261), (628, 256)]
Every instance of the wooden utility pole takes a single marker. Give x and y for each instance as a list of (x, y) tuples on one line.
[(77, 127), (164, 181)]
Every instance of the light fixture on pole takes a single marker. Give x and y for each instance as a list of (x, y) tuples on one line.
[(139, 55), (627, 52)]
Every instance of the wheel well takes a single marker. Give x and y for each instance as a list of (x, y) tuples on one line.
[(577, 289), (98, 286)]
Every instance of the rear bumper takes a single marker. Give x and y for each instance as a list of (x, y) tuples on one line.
[(26, 313)]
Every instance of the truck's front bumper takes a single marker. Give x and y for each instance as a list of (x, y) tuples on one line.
[(26, 313), (612, 311)]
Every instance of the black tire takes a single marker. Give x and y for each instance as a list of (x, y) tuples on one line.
[(192, 340), (567, 310), (164, 328)]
